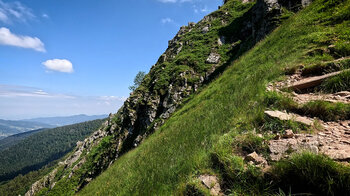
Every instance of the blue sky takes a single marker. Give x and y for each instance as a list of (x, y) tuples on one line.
[(62, 57)]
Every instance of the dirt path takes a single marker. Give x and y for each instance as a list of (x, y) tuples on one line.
[(333, 140)]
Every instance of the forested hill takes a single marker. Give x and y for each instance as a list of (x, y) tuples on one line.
[(43, 147), (14, 139)]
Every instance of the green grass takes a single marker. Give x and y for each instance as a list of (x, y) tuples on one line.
[(337, 83), (326, 67), (183, 145), (324, 110), (308, 173), (327, 111)]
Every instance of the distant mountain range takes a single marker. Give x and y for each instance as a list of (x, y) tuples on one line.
[(12, 127), (66, 120)]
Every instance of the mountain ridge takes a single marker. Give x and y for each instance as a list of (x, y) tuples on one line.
[(66, 120), (11, 127)]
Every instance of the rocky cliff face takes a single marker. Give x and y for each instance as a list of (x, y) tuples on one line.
[(174, 77)]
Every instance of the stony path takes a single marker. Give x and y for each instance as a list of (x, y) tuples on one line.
[(333, 140), (343, 97)]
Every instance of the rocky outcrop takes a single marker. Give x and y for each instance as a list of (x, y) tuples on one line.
[(142, 113), (264, 17)]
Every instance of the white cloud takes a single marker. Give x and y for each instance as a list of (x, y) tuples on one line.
[(112, 98), (10, 39), (167, 20), (200, 10), (20, 102), (45, 16), (14, 11), (60, 65), (24, 91), (3, 16)]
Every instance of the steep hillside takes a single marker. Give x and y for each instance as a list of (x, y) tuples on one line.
[(204, 102), (41, 148)]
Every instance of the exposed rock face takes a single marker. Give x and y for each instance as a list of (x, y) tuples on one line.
[(263, 17), (47, 181)]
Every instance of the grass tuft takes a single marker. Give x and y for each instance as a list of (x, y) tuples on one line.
[(308, 173), (337, 83)]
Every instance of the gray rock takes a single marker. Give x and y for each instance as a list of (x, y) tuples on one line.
[(256, 159), (305, 3), (221, 40), (284, 116), (212, 183), (205, 30), (191, 24), (213, 58)]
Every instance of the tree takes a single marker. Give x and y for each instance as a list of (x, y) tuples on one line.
[(137, 80)]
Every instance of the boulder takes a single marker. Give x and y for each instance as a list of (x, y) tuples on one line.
[(255, 158), (205, 30), (284, 116), (212, 183), (305, 3), (221, 40), (213, 58), (191, 24)]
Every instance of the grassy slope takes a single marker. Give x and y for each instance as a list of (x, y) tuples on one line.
[(182, 147)]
